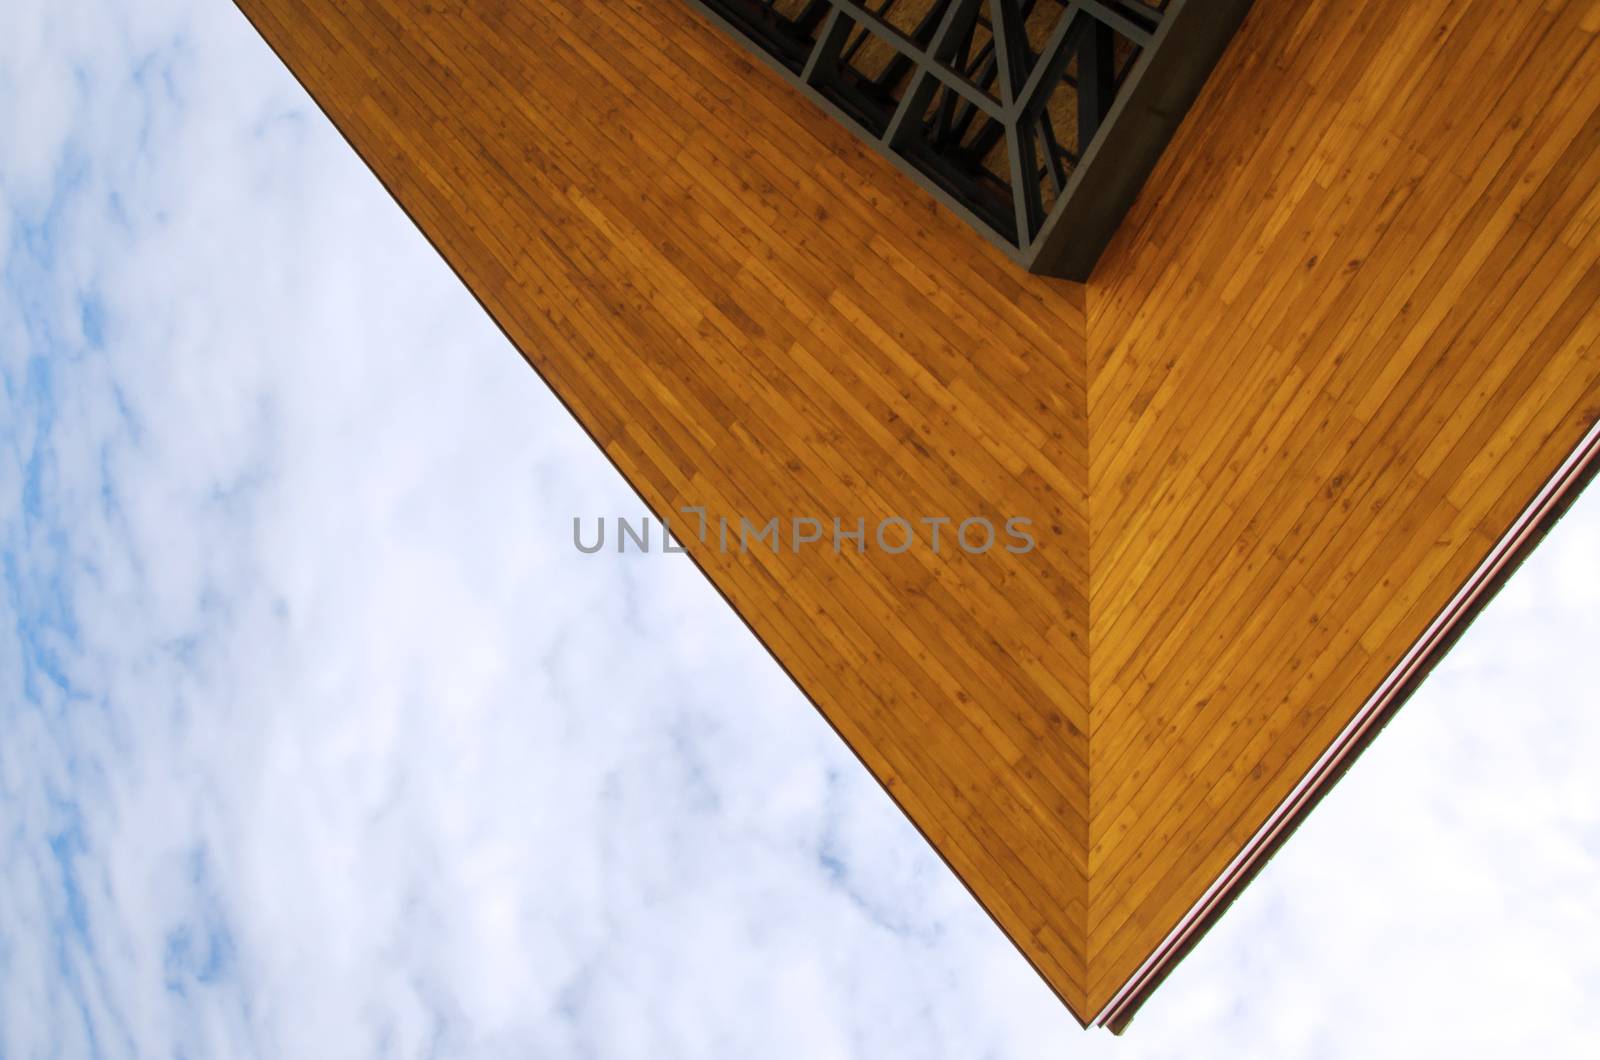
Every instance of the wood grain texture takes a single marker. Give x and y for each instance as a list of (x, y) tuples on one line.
[(1343, 336), (753, 314)]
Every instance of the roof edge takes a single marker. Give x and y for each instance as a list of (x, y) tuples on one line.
[(1546, 508)]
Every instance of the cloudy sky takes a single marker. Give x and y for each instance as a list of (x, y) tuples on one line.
[(318, 738)]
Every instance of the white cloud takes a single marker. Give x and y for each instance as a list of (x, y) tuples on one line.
[(319, 738)]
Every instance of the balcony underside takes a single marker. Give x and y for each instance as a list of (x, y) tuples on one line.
[(1342, 338)]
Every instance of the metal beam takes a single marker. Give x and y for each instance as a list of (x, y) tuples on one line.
[(1132, 68)]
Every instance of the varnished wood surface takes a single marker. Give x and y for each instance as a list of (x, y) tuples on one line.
[(753, 314), (1343, 336)]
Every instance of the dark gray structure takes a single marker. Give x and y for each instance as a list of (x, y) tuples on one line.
[(1035, 120)]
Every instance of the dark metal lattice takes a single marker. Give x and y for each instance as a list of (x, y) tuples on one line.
[(1004, 109)]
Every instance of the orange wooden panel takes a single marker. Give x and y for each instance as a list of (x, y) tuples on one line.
[(1346, 332), (1338, 344), (753, 314)]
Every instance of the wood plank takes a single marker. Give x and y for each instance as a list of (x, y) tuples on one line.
[(1312, 415), (750, 313), (1338, 343)]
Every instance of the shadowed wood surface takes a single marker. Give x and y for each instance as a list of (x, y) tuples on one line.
[(1343, 338), (753, 314), (1346, 332)]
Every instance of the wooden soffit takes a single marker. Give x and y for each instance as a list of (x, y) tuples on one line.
[(1344, 338)]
